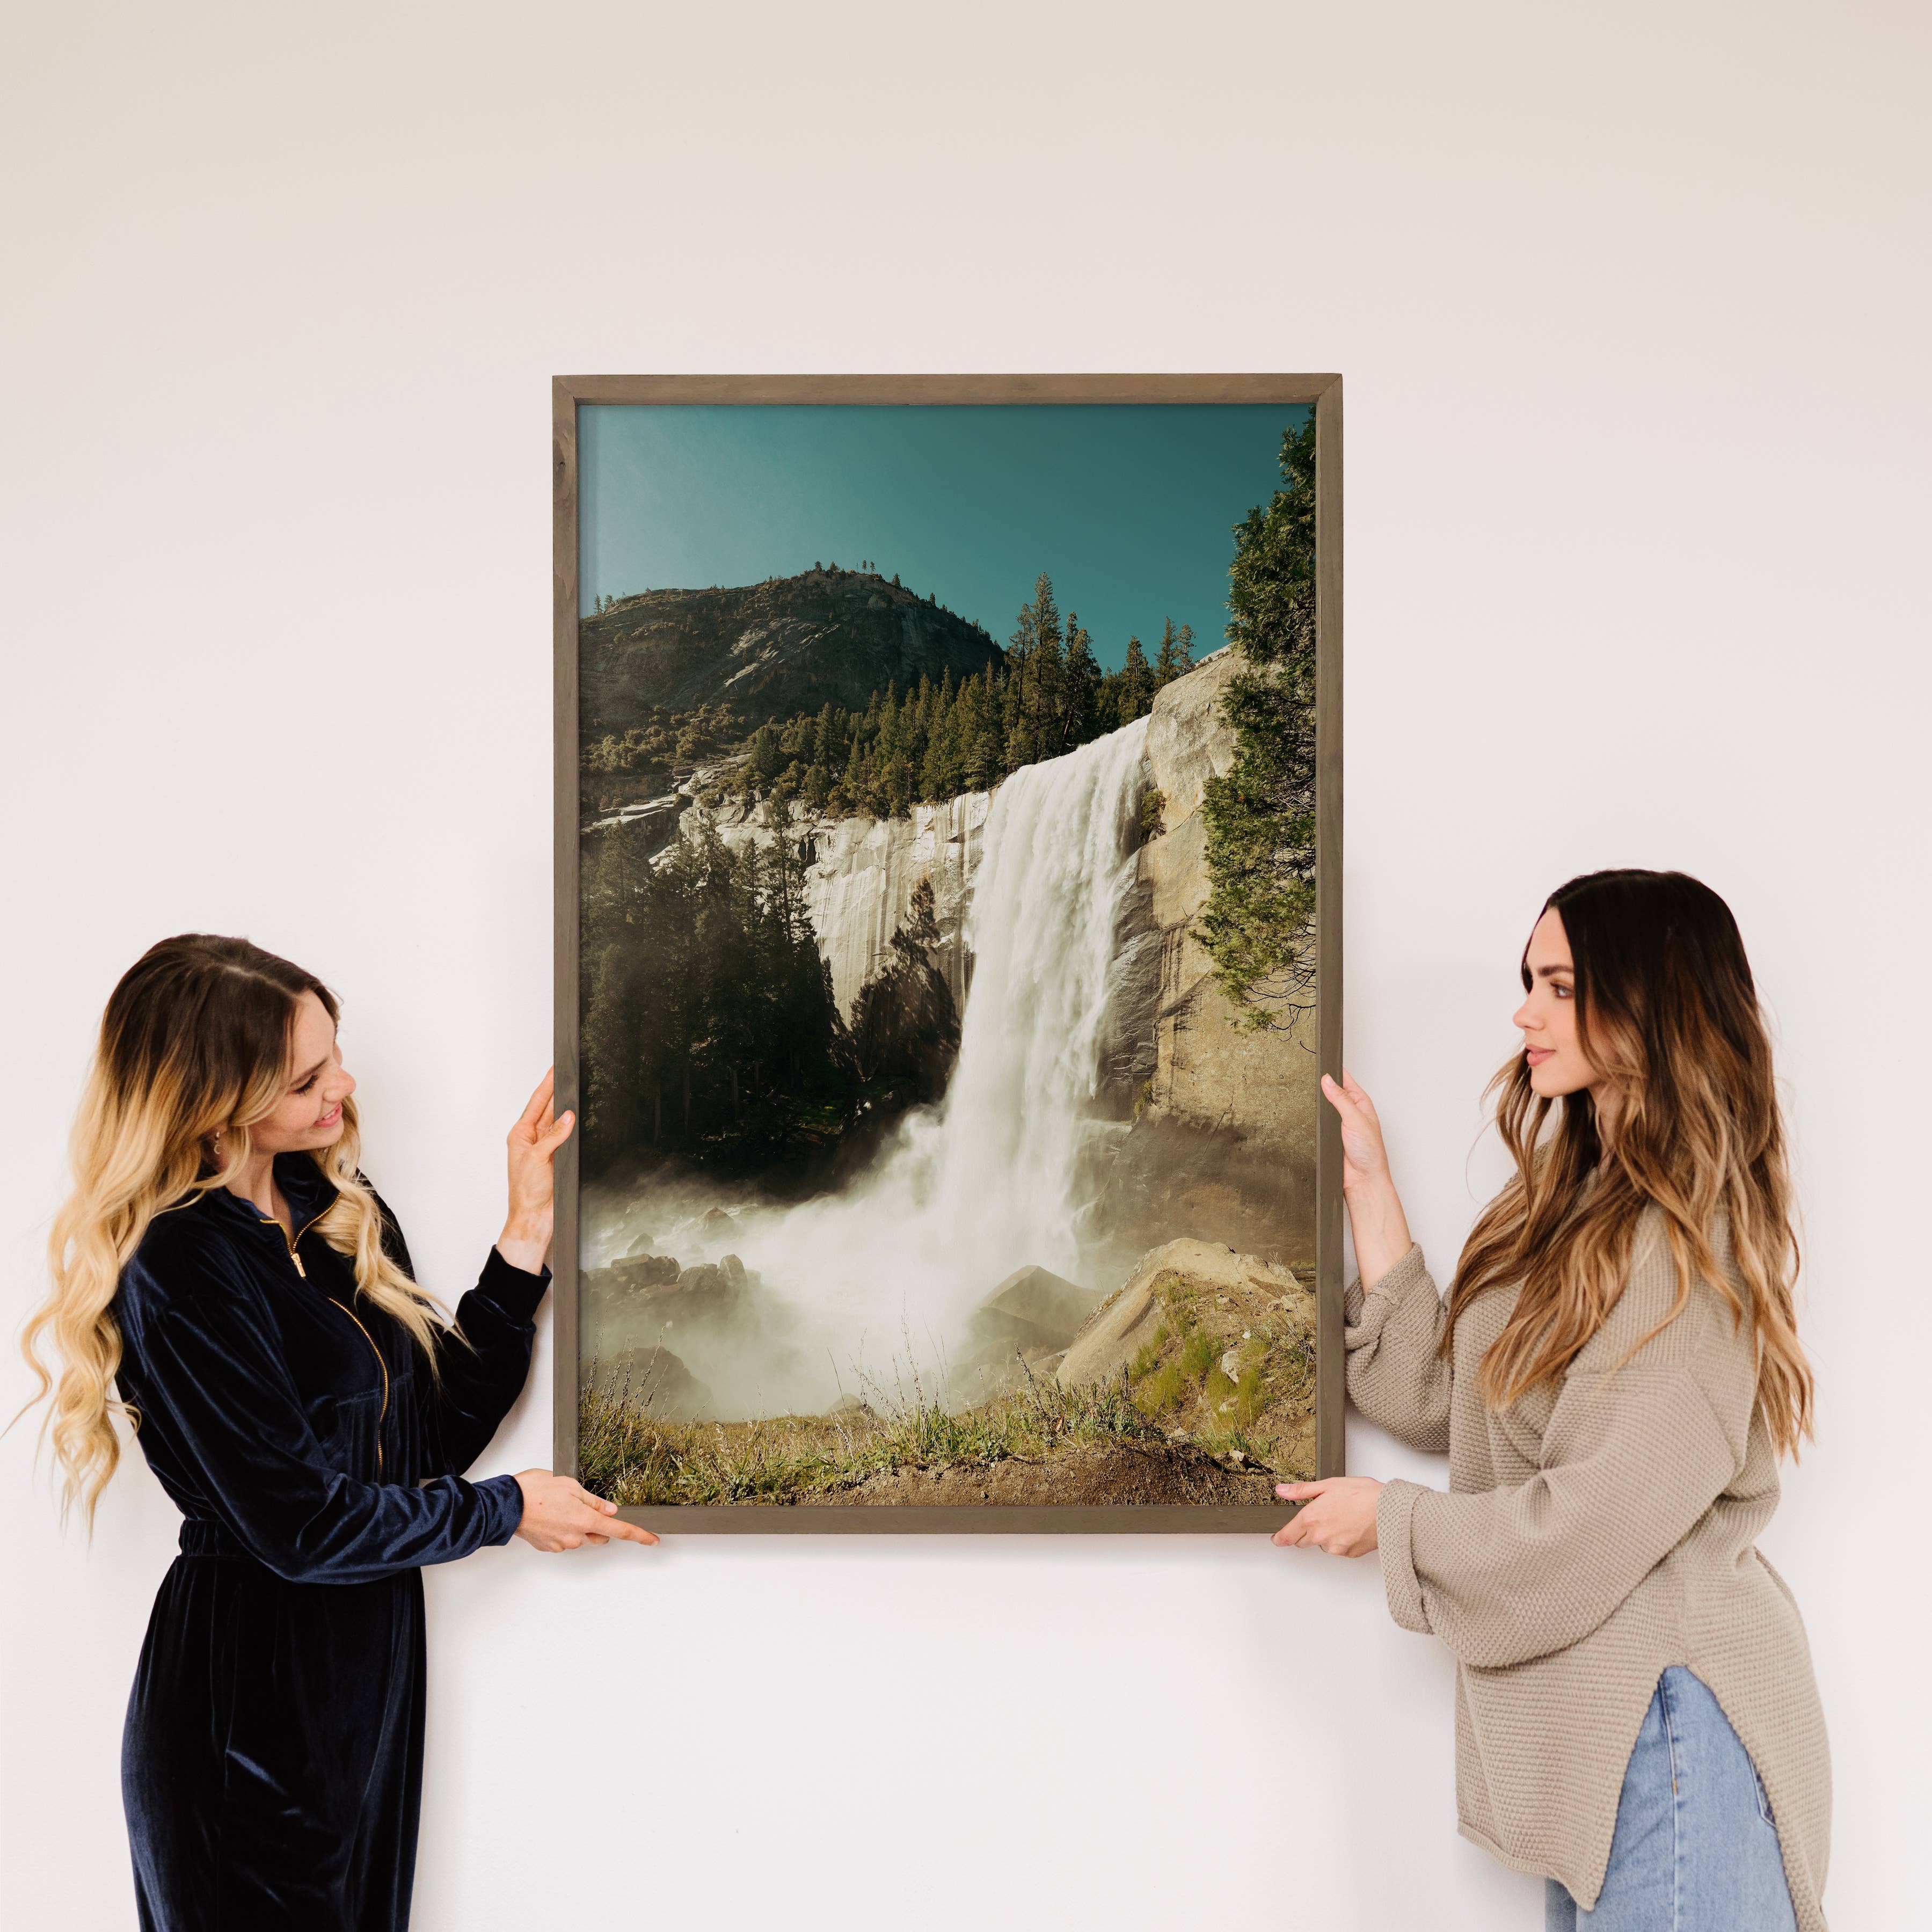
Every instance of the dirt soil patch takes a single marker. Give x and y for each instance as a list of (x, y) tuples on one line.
[(1111, 1473)]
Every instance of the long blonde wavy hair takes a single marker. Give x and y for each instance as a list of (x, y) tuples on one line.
[(1667, 1013), (193, 1047)]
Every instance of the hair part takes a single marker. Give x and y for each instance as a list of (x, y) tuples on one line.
[(1667, 1013), (194, 1043)]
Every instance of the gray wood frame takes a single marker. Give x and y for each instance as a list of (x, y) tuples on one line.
[(1324, 393)]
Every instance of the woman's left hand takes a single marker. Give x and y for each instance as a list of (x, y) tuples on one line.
[(533, 1142), (1337, 1516)]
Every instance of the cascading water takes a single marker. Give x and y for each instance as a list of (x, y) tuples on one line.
[(988, 1182)]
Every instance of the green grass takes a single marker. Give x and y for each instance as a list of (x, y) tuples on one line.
[(1200, 1355), (630, 1455)]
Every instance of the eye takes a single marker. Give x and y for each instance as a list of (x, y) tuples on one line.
[(308, 1084), (1562, 991)]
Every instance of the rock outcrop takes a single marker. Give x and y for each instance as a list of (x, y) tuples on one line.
[(1117, 1330), (1222, 1140), (768, 650), (861, 878), (1217, 1347)]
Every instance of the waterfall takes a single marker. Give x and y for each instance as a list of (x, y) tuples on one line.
[(885, 1275), (1057, 862)]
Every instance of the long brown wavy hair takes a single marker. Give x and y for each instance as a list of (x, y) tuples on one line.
[(194, 1043), (1667, 1013)]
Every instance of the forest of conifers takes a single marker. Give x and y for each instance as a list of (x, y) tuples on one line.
[(929, 743)]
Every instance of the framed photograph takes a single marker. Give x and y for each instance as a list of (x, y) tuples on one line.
[(948, 948)]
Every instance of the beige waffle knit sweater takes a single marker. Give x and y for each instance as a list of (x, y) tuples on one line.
[(1590, 1536)]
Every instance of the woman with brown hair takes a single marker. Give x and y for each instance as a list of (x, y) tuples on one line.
[(1614, 1374), (225, 1280)]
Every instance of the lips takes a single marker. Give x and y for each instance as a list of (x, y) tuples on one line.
[(329, 1119), (1537, 1055)]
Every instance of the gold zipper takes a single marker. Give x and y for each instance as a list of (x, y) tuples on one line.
[(269, 1221), (382, 1363)]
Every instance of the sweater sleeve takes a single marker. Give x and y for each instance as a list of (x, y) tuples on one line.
[(1633, 1457), (215, 1382), (1397, 1374)]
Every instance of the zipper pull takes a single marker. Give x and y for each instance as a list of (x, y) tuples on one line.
[(297, 1259)]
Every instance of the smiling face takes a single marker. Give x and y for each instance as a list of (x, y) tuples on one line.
[(1548, 1017), (309, 1113)]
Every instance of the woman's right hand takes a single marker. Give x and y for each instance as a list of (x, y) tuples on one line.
[(561, 1514), (1376, 1218)]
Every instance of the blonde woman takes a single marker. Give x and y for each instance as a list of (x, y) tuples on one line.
[(1614, 1375), (224, 1266)]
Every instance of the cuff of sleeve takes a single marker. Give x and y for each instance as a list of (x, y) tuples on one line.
[(516, 1292), (1395, 1507), (1361, 1323), (503, 1506)]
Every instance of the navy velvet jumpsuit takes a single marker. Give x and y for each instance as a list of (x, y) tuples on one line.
[(272, 1766)]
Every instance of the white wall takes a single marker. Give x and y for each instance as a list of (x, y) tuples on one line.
[(1630, 305)]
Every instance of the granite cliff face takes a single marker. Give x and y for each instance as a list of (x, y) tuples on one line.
[(862, 875), (1223, 1142), (769, 650)]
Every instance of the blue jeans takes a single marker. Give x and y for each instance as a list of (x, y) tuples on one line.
[(1696, 1847)]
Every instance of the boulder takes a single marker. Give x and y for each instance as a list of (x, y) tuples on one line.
[(642, 1270), (733, 1269), (1113, 1335), (651, 1378), (706, 1283), (1033, 1308)]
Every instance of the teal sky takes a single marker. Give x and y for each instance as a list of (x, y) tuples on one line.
[(1129, 508)]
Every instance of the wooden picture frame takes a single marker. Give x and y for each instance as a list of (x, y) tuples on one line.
[(1323, 393)]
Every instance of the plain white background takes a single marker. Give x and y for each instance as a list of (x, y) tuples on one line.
[(1631, 303)]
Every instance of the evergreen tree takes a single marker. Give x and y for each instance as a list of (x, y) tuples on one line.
[(1261, 847), (1175, 657), (1079, 687), (1136, 688)]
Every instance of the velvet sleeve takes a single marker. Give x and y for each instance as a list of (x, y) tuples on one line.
[(214, 1382), (483, 1363)]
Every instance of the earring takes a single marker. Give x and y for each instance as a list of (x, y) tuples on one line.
[(217, 1143)]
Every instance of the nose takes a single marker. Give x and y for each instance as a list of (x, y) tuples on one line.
[(1525, 1016)]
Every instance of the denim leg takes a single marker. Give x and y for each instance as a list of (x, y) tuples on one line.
[(1695, 1849), (1559, 1909), (1730, 1869), (1639, 1892)]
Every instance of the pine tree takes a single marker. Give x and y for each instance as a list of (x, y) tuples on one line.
[(1174, 658), (1080, 683), (825, 740), (1260, 814), (1137, 685)]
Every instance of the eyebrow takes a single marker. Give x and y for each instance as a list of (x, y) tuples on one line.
[(1550, 972), (302, 1079)]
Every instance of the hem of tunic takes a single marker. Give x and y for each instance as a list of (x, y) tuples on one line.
[(1481, 1838)]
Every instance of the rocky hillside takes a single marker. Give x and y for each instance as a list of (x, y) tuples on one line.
[(773, 649)]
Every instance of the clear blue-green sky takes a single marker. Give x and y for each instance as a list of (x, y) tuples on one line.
[(1129, 508)]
